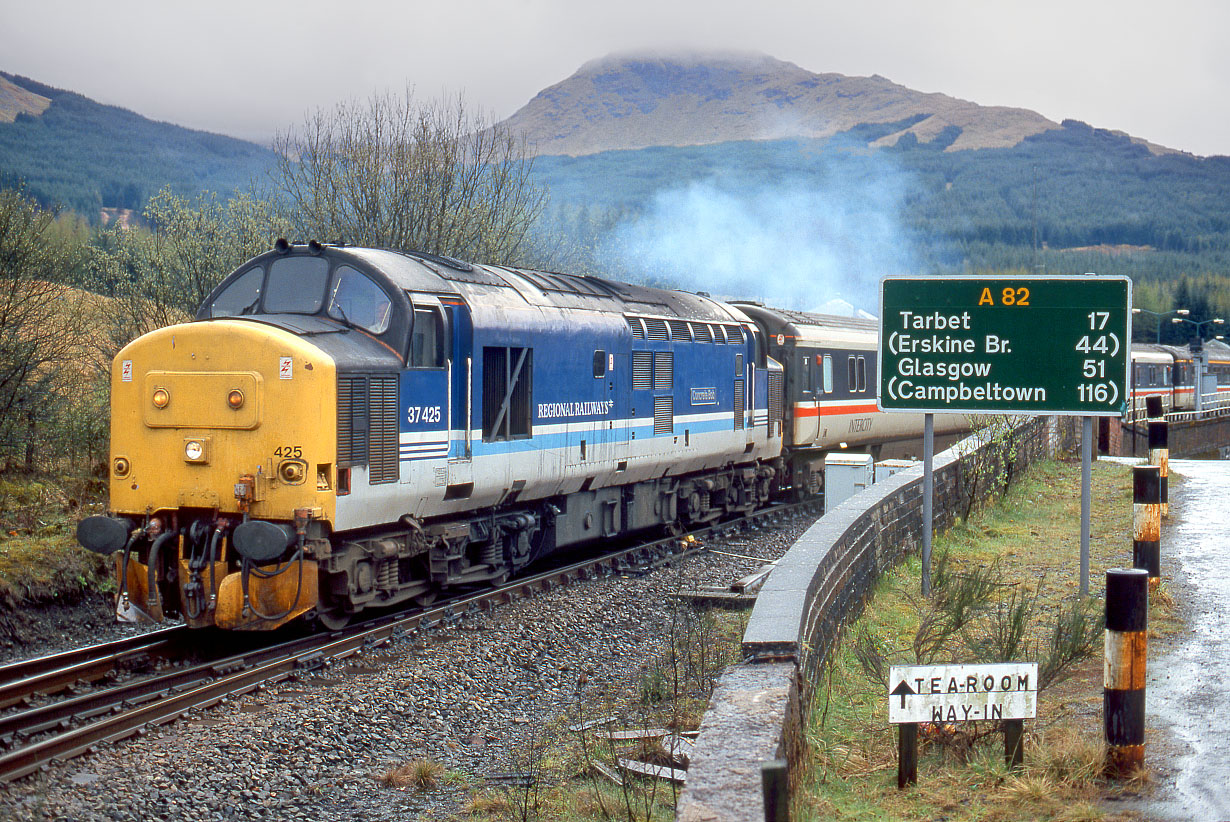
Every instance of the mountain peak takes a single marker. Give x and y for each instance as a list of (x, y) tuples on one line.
[(677, 98)]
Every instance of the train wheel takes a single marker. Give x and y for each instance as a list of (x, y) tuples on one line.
[(426, 599), (334, 620)]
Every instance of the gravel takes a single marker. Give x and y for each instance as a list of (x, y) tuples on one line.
[(48, 629), (467, 696)]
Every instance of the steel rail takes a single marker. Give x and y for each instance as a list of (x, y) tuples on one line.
[(55, 672), (165, 697)]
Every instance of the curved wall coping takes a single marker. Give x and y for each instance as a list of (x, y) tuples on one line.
[(756, 712)]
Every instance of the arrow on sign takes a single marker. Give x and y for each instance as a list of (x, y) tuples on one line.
[(903, 689)]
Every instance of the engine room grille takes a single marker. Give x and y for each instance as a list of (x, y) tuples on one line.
[(351, 421), (663, 415), (655, 328), (638, 330), (680, 330), (642, 369), (383, 445), (739, 405), (367, 431), (775, 399), (663, 371)]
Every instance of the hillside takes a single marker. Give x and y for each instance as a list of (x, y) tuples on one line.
[(72, 151), (804, 219), (635, 101)]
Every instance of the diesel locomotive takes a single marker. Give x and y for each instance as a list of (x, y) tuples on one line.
[(346, 428)]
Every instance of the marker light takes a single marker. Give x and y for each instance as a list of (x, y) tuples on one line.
[(121, 466), (161, 398), (292, 472), (194, 450), (235, 399)]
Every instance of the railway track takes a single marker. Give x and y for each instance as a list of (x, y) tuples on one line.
[(53, 673), (69, 727)]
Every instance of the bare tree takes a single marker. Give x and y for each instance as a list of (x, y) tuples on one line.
[(397, 173), (159, 277), (39, 323)]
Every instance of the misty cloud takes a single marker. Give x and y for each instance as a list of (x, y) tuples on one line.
[(785, 244)]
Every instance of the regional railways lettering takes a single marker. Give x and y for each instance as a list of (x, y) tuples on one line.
[(554, 410), (907, 390)]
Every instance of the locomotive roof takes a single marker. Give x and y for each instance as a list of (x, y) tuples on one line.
[(818, 329), (508, 287)]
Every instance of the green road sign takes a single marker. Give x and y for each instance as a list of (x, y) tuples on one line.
[(1005, 345)]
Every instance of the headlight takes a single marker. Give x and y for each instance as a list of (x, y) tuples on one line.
[(196, 450), (162, 398), (235, 399), (121, 466)]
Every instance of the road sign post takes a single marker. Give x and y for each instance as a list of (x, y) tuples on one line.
[(1006, 345), (945, 694)]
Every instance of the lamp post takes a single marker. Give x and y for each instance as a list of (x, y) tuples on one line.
[(1160, 314), (1198, 358)]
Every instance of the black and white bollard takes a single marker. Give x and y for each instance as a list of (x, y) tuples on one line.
[(1147, 521), (1153, 407), (1159, 455), (1123, 697), (774, 782)]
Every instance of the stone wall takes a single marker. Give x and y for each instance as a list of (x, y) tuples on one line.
[(757, 711)]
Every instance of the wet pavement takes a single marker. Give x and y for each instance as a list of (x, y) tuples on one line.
[(1188, 688)]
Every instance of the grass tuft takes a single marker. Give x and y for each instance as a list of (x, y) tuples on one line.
[(419, 773)]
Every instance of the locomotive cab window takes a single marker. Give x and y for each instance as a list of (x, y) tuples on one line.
[(427, 345), (356, 300), (296, 285), (240, 297)]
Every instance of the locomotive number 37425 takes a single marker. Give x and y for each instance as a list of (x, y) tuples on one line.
[(423, 414)]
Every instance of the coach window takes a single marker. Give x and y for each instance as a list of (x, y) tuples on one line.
[(599, 364), (243, 296), (296, 285), (805, 374), (356, 300), (862, 374), (828, 374), (427, 339), (851, 380)]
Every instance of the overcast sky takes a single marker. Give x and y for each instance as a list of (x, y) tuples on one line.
[(249, 68)]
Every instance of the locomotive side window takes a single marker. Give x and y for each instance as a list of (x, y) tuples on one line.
[(427, 339), (357, 300), (828, 373), (296, 285), (805, 374), (240, 297), (599, 364)]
